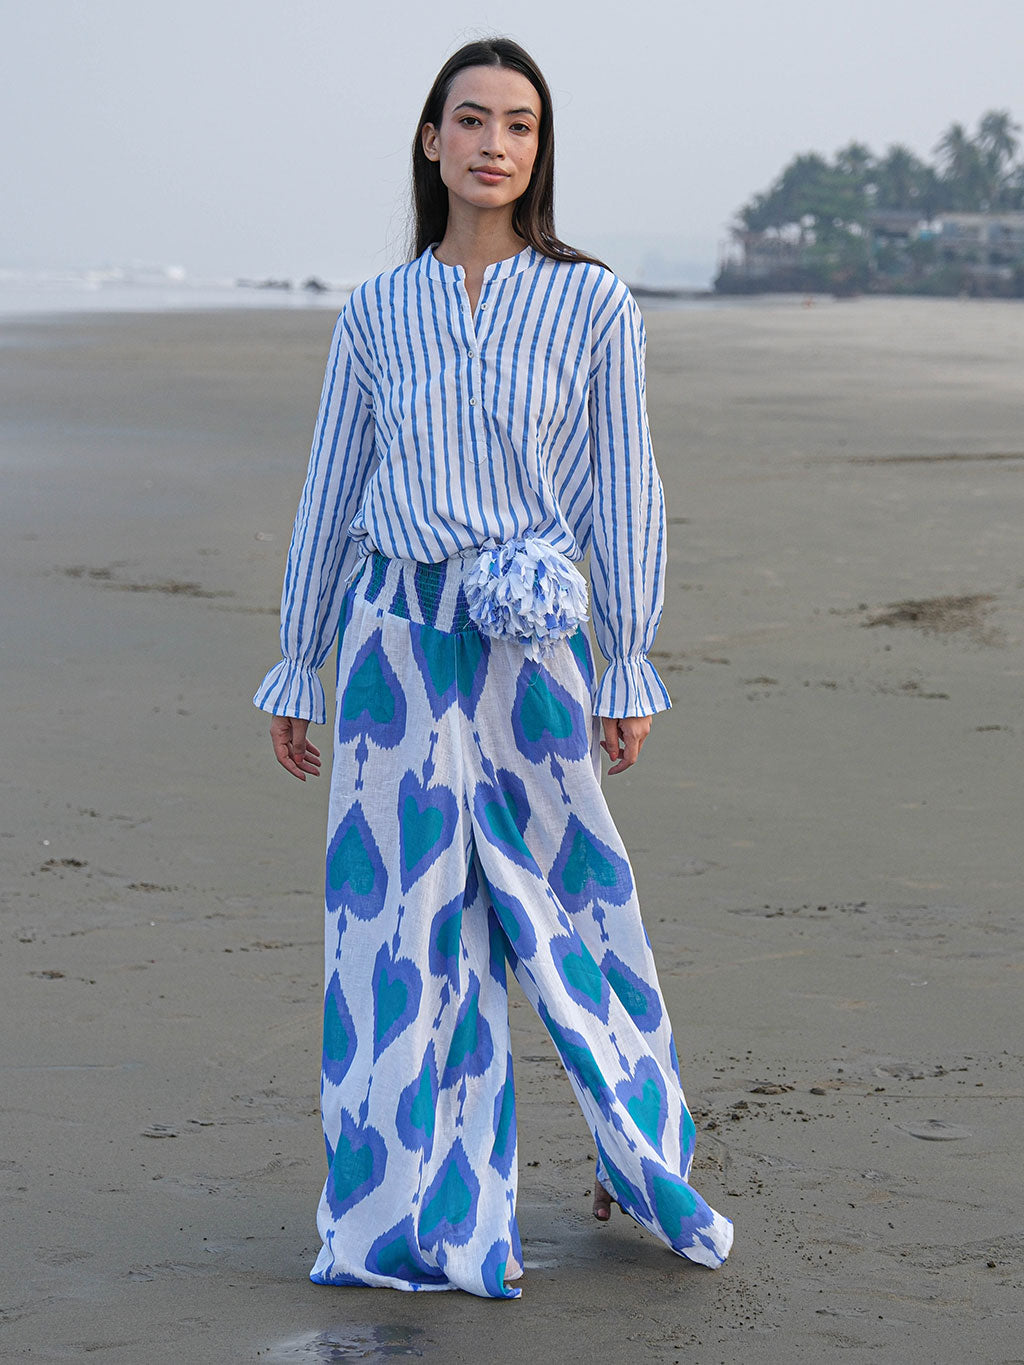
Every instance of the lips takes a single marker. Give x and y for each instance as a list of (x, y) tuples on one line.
[(489, 173)]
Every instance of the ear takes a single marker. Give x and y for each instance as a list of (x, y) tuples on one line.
[(428, 137)]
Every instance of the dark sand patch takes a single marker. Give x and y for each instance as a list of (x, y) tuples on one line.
[(949, 457), (170, 587), (942, 616)]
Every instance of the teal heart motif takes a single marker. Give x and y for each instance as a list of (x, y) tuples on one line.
[(421, 1112), (645, 1111), (673, 1203), (337, 1040), (351, 1168), (451, 1203), (421, 830), (633, 999), (439, 656), (465, 1036), (392, 997), (367, 690), (515, 923), (351, 863), (583, 974), (542, 712), (357, 1165), (506, 1116), (586, 863), (687, 1132), (577, 1058), (507, 919), (397, 1260), (467, 660), (578, 645), (500, 816), (427, 820), (449, 935)]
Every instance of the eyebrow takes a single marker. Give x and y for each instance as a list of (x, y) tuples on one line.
[(482, 108)]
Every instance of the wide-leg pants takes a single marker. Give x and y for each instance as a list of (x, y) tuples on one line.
[(467, 831)]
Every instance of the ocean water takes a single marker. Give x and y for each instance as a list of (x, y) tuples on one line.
[(143, 289), (116, 289)]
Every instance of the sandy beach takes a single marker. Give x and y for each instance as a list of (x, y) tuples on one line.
[(826, 832)]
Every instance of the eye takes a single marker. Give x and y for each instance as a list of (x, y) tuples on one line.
[(469, 119), (520, 127)]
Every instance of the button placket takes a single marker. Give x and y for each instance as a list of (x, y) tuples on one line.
[(472, 353)]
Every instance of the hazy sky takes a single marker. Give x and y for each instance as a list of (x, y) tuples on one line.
[(247, 137)]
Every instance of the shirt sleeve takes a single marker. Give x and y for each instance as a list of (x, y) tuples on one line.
[(322, 554), (627, 559)]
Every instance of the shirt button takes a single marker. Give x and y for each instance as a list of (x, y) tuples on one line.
[(482, 307), (472, 402), (471, 354)]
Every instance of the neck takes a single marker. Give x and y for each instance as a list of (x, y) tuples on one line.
[(475, 238)]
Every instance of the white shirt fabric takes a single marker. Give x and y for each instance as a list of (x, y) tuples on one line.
[(441, 430)]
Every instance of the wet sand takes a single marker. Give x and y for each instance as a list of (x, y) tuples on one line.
[(825, 830)]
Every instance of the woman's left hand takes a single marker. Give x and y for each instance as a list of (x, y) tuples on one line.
[(623, 739)]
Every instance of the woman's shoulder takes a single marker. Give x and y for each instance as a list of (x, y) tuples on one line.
[(606, 291), (367, 294)]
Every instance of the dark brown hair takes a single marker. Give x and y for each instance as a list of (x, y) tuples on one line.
[(533, 216)]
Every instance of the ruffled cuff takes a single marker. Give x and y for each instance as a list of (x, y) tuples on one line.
[(290, 690), (631, 687)]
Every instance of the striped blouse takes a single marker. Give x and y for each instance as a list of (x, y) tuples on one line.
[(441, 430)]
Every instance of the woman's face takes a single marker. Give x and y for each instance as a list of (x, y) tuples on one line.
[(486, 142)]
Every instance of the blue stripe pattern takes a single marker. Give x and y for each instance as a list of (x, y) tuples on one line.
[(441, 431)]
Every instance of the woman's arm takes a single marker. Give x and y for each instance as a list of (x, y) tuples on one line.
[(321, 554), (627, 561)]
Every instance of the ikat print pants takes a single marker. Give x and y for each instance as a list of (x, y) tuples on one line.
[(468, 833)]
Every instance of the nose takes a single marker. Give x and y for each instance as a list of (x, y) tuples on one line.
[(491, 144)]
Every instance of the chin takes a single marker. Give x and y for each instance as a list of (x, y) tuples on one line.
[(489, 197)]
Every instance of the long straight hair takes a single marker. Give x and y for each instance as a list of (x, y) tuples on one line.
[(533, 216)]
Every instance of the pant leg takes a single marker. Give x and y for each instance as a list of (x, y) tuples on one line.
[(562, 887), (416, 1089)]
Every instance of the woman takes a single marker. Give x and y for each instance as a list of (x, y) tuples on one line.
[(482, 424)]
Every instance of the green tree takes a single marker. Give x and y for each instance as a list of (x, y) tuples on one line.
[(826, 208), (856, 161), (964, 179), (904, 181), (997, 145)]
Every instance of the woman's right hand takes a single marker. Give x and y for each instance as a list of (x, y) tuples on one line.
[(291, 749)]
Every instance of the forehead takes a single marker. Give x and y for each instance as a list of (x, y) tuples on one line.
[(494, 87)]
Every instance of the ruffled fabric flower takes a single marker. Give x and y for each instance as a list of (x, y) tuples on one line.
[(526, 591)]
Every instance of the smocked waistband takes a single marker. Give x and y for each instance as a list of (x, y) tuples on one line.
[(427, 594)]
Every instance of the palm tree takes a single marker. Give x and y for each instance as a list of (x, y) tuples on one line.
[(855, 160), (996, 136), (902, 180), (998, 145), (964, 174)]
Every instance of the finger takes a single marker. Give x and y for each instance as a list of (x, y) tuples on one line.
[(298, 738), (290, 766), (634, 731), (623, 760), (282, 748), (305, 754), (287, 735), (288, 762), (632, 750), (611, 742)]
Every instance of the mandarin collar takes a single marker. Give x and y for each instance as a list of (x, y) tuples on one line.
[(497, 270)]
